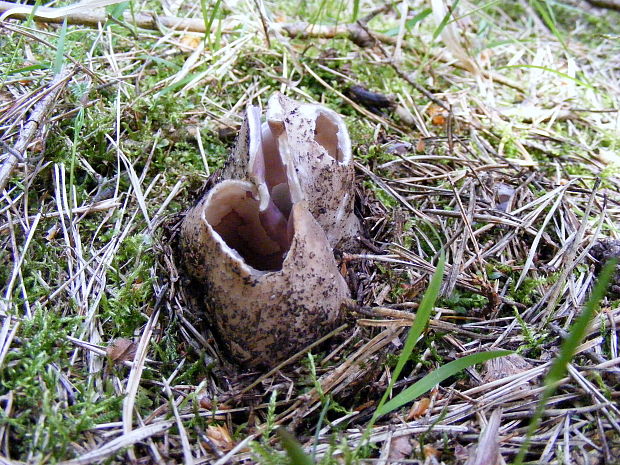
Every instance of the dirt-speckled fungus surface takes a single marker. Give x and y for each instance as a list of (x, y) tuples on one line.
[(260, 242)]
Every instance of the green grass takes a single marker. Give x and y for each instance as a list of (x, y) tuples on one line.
[(568, 351), (53, 392)]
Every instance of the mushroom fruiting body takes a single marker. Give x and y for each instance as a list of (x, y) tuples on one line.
[(314, 144), (265, 306), (259, 243)]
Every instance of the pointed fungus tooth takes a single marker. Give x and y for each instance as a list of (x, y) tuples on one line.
[(317, 142), (260, 241)]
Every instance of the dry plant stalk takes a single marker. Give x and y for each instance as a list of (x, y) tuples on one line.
[(260, 242), (33, 126)]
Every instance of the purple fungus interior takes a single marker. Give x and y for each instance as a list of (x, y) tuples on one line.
[(274, 171), (259, 229), (233, 213)]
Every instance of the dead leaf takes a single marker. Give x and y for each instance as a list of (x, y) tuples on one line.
[(419, 408), (121, 350), (220, 438), (400, 449), (137, 285), (191, 41), (504, 194), (227, 133), (430, 451), (438, 115), (414, 289), (51, 232), (503, 367), (438, 120), (364, 406), (38, 146), (6, 97), (205, 402), (398, 148)]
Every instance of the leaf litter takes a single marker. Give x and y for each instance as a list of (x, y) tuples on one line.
[(506, 164)]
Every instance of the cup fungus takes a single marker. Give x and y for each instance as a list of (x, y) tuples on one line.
[(259, 243)]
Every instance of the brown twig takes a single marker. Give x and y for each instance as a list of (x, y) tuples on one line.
[(355, 32), (145, 20), (263, 22), (609, 4), (33, 126)]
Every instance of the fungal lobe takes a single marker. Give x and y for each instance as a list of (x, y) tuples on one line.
[(255, 245), (314, 146)]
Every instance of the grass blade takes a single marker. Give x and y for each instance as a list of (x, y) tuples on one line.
[(550, 70), (421, 320), (410, 23), (421, 16), (293, 448), (116, 11), (316, 18), (435, 377), (356, 10), (208, 18), (545, 11), (567, 352), (77, 131), (59, 59), (445, 20)]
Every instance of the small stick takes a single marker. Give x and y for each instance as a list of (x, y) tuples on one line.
[(33, 125), (609, 4), (146, 20), (263, 22), (295, 357)]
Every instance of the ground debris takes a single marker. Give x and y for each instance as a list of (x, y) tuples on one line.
[(603, 251), (121, 350), (102, 358)]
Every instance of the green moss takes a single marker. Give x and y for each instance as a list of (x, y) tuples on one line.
[(51, 410), (527, 293), (533, 338), (464, 301), (122, 309)]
